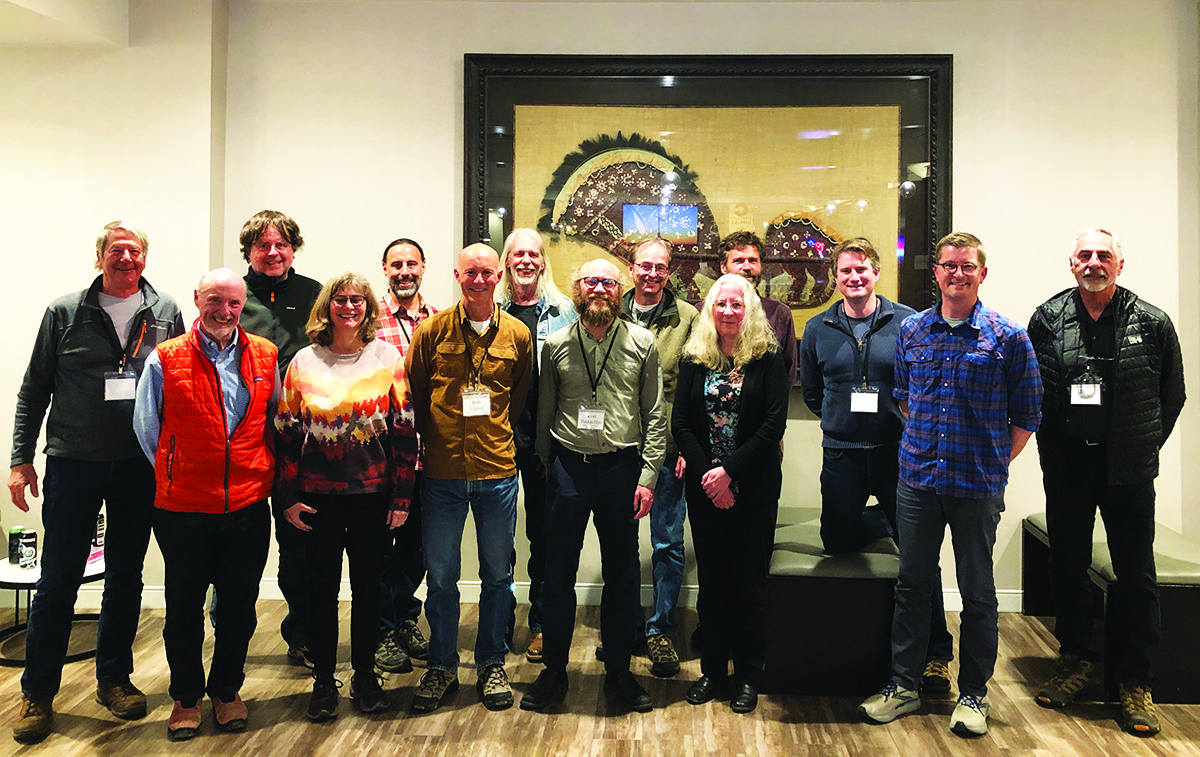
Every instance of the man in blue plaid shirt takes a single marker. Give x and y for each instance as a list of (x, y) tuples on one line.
[(968, 386)]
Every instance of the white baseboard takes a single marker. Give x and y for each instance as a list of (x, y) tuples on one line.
[(588, 594)]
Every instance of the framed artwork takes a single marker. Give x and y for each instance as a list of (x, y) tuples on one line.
[(601, 152)]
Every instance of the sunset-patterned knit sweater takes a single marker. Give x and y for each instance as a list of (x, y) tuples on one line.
[(345, 426)]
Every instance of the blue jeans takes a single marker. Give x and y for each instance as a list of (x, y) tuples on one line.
[(493, 503), (74, 490), (666, 537), (922, 517)]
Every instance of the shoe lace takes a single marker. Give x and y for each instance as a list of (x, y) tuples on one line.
[(333, 684), (937, 668), (33, 708), (494, 679), (413, 632), (661, 647), (434, 681), (1137, 699), (969, 700)]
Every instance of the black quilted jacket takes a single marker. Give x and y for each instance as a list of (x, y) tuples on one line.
[(1147, 387)]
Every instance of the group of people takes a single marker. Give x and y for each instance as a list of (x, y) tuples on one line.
[(371, 426)]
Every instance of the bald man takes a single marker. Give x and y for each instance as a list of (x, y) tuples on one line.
[(602, 437), (469, 369), (203, 417)]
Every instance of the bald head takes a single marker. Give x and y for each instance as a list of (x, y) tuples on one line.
[(220, 297), (477, 274)]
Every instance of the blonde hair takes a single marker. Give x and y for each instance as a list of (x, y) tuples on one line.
[(320, 326), (755, 339)]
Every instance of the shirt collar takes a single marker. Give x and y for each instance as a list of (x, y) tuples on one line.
[(210, 346)]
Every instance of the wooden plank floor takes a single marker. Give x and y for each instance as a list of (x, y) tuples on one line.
[(585, 724)]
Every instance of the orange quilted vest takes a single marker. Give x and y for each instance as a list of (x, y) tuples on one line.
[(196, 468)]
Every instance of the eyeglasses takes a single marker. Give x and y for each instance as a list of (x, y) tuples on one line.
[(593, 281), (953, 268), (651, 268), (341, 300)]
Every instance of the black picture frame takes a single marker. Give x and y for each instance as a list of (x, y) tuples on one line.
[(921, 85)]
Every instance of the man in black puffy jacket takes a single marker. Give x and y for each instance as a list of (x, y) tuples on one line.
[(1113, 378)]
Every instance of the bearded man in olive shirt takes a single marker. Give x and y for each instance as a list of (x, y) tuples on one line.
[(602, 437)]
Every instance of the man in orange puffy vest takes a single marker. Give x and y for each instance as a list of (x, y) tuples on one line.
[(202, 416)]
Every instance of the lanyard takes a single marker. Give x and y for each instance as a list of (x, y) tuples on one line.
[(595, 380), (407, 334), (125, 354), (475, 372)]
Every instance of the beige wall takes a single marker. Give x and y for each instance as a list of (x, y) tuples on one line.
[(348, 116)]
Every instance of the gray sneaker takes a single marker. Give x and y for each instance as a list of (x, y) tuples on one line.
[(891, 702), (390, 657), (970, 716), (494, 689)]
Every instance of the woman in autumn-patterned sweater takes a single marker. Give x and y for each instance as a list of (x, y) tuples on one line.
[(347, 452)]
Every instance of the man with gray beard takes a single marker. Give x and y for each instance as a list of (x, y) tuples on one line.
[(602, 437)]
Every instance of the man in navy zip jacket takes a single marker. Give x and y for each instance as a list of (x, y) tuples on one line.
[(847, 357)]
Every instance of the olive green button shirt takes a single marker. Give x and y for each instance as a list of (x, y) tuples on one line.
[(629, 392), (458, 447)]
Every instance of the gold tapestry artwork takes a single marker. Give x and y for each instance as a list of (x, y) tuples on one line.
[(803, 178)]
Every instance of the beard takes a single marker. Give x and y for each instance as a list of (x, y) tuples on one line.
[(525, 278), (599, 313), (1094, 284), (750, 277), (404, 290)]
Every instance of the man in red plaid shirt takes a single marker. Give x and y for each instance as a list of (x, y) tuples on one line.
[(401, 310)]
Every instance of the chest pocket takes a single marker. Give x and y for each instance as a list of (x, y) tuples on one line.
[(498, 367), (923, 370), (979, 367), (452, 360)]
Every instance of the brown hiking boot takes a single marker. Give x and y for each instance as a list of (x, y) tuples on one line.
[(122, 699), (33, 724), (1072, 675), (1137, 710)]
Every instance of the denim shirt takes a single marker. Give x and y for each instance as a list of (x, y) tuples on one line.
[(552, 316)]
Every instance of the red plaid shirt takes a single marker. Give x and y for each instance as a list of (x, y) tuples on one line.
[(396, 324)]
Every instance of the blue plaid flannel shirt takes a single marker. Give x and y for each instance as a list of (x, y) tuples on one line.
[(964, 387)]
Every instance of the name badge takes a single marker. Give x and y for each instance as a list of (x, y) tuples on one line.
[(591, 418), (476, 402), (120, 385), (864, 399), (1085, 394)]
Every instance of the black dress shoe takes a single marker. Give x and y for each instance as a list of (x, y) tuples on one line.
[(705, 690), (550, 685), (744, 699), (625, 688)]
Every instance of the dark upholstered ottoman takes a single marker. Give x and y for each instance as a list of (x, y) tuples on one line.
[(830, 615)]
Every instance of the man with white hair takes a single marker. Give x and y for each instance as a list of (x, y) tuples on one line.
[(1113, 377), (528, 293), (203, 419)]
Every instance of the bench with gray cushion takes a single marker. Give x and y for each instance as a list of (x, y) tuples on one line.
[(1177, 560), (830, 616)]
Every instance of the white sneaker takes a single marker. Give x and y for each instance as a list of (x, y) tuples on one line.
[(891, 702), (970, 716)]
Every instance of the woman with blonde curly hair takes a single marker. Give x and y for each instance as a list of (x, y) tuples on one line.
[(730, 411), (347, 452)]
